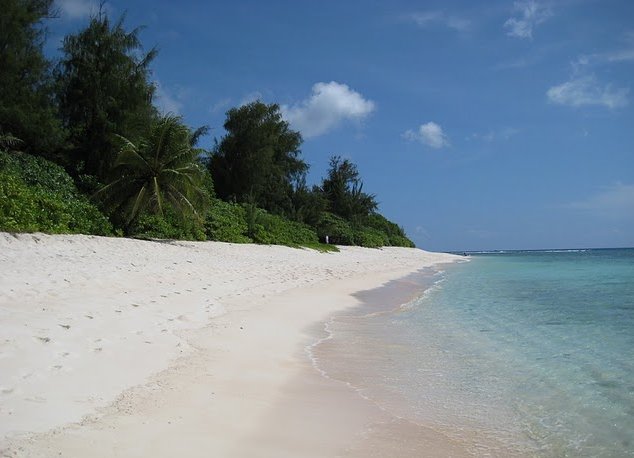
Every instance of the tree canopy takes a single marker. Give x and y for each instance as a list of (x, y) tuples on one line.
[(94, 116), (104, 91), (258, 159), (27, 110), (160, 169), (344, 190)]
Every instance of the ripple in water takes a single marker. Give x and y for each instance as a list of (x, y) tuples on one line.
[(525, 352)]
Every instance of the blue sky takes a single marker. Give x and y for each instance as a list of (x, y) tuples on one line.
[(478, 125)]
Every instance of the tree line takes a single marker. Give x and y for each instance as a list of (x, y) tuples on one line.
[(83, 148)]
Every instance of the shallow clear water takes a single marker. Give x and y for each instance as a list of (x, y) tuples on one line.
[(531, 352)]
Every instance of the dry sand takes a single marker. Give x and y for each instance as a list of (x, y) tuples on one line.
[(118, 347)]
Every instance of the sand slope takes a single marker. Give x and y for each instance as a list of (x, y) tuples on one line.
[(162, 348)]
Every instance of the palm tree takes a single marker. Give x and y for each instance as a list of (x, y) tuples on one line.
[(161, 168)]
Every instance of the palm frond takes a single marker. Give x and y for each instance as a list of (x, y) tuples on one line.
[(161, 168), (137, 204)]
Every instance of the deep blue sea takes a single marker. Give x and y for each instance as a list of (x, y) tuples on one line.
[(520, 352)]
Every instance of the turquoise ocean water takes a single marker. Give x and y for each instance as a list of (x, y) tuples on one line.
[(527, 353)]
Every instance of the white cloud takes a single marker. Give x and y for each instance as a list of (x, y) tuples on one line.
[(166, 101), (428, 18), (250, 97), (616, 201), (531, 14), (619, 55), (586, 90), (429, 134), (220, 105), (622, 55), (329, 105), (77, 9)]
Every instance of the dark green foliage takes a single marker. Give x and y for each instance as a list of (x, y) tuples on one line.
[(97, 119), (103, 91), (244, 223), (27, 110), (167, 226), (370, 238), (395, 234), (352, 218), (39, 196), (307, 205), (338, 230), (258, 158), (226, 222), (376, 231), (344, 190), (275, 230), (159, 171)]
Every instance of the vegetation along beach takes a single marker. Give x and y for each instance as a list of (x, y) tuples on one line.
[(345, 229)]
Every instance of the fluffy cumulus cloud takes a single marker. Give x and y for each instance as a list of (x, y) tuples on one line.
[(77, 9), (529, 14), (586, 90), (430, 134), (328, 106)]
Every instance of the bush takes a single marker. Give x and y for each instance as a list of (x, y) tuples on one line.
[(403, 241), (168, 226), (276, 230), (395, 234), (370, 238), (226, 222), (37, 195), (338, 230), (18, 205)]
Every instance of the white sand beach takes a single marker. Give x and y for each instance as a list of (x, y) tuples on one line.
[(120, 347)]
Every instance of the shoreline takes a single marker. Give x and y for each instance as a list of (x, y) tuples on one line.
[(384, 433), (391, 428), (202, 379)]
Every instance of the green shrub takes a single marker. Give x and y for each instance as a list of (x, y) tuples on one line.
[(338, 230), (397, 240), (226, 222), (370, 238), (38, 195), (18, 205), (168, 226), (395, 234), (275, 230)]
